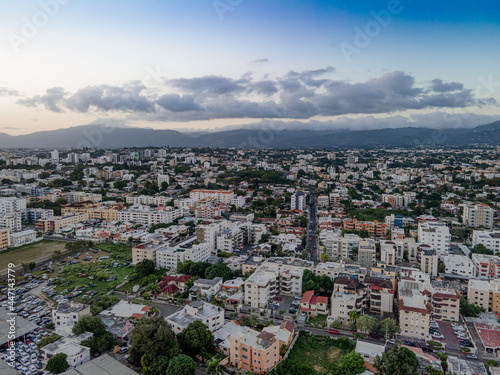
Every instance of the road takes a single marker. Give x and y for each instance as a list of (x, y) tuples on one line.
[(311, 235)]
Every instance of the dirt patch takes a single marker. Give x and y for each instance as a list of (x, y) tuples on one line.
[(318, 368), (334, 354)]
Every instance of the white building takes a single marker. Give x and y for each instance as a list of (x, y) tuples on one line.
[(169, 257), (206, 288), (487, 266), (11, 221), (435, 234), (491, 240), (459, 265), (212, 316), (146, 215), (54, 155), (163, 178), (298, 201), (221, 196), (11, 205), (22, 238), (230, 240), (66, 315), (147, 200), (207, 232), (71, 346), (80, 196)]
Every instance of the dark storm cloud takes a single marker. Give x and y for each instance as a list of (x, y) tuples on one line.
[(439, 86), (296, 95)]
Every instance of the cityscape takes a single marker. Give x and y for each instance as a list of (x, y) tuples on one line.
[(241, 187)]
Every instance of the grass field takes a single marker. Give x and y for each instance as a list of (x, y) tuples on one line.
[(314, 355), (30, 253)]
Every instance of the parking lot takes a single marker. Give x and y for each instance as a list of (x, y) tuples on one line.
[(450, 338)]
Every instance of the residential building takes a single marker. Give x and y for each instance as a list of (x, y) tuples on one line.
[(11, 221), (23, 237), (212, 316), (54, 224), (298, 201), (221, 196), (11, 205), (71, 346), (146, 215), (428, 260), (478, 215), (80, 196), (491, 240), (170, 257), (230, 239), (488, 266), (206, 289), (459, 265), (367, 252), (435, 234), (4, 238), (66, 315), (374, 228)]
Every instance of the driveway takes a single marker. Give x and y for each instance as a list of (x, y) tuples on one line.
[(451, 340)]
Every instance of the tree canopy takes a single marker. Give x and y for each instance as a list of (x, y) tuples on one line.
[(196, 338), (57, 363), (397, 361), (181, 365), (101, 341)]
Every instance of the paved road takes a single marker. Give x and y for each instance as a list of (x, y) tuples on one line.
[(311, 235)]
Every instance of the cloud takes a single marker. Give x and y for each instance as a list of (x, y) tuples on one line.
[(295, 95), (5, 91), (439, 86), (10, 128), (258, 61)]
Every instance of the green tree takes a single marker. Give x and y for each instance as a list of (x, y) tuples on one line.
[(57, 363), (214, 367), (181, 365), (397, 361), (144, 268), (219, 269), (366, 323), (350, 364), (48, 340), (101, 341), (155, 338), (389, 326), (469, 309), (195, 339)]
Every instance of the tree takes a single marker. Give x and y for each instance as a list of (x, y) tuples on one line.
[(325, 284), (48, 340), (324, 257), (366, 323), (101, 341), (469, 309), (397, 361), (432, 371), (350, 364), (144, 268), (389, 326), (481, 249), (155, 338), (181, 365), (195, 339), (219, 269), (214, 367), (57, 363), (353, 317)]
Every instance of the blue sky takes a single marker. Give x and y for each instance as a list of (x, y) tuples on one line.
[(204, 64)]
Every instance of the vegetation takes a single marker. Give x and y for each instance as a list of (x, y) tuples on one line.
[(181, 365), (48, 340), (397, 361), (321, 284), (196, 339), (57, 364), (101, 341), (469, 309)]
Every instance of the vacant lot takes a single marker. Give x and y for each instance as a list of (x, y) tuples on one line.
[(36, 252), (314, 355)]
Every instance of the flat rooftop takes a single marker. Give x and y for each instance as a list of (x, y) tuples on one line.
[(23, 326), (103, 365)]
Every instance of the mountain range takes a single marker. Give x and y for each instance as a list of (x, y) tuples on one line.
[(99, 136)]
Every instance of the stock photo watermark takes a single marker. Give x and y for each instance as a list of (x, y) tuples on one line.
[(372, 29), (31, 26), (11, 320), (223, 6)]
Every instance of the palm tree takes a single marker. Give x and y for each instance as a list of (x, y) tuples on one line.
[(214, 367)]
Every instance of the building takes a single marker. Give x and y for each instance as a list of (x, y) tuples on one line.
[(435, 234), (11, 204), (230, 239), (298, 201), (414, 315), (163, 178), (66, 315), (146, 215), (54, 224), (210, 315), (103, 365), (4, 239), (491, 240), (11, 221), (398, 221), (367, 252), (71, 346), (206, 289), (254, 351), (459, 265), (461, 366), (487, 266), (428, 261), (146, 251), (148, 200), (31, 215), (126, 309), (207, 232), (349, 295), (478, 215), (485, 294), (170, 257), (80, 196), (369, 351), (221, 196), (374, 228), (380, 295), (22, 238)]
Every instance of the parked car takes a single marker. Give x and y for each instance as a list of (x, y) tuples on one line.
[(437, 336), (278, 299), (333, 331), (472, 356)]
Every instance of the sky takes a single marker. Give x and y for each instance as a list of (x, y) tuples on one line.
[(208, 64)]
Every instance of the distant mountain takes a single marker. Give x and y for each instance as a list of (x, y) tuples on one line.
[(114, 137)]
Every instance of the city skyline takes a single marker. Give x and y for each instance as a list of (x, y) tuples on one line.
[(194, 65)]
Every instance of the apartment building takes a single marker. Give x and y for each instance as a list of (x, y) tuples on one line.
[(76, 354), (275, 276), (146, 251), (56, 223), (478, 215), (146, 215), (398, 221), (205, 288), (254, 351), (395, 200), (66, 315), (11, 221), (336, 269), (163, 178), (348, 295), (414, 312), (31, 215), (298, 201), (11, 204), (80, 196), (380, 295), (374, 228), (341, 247), (445, 305), (487, 266), (207, 232), (221, 196), (230, 239), (212, 316), (367, 252), (460, 265), (170, 257), (428, 260), (481, 292), (22, 237), (490, 239), (147, 200), (435, 234), (207, 212), (4, 238)]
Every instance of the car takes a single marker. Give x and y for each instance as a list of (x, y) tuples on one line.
[(278, 299), (124, 349), (472, 356), (391, 341), (437, 336), (333, 332)]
